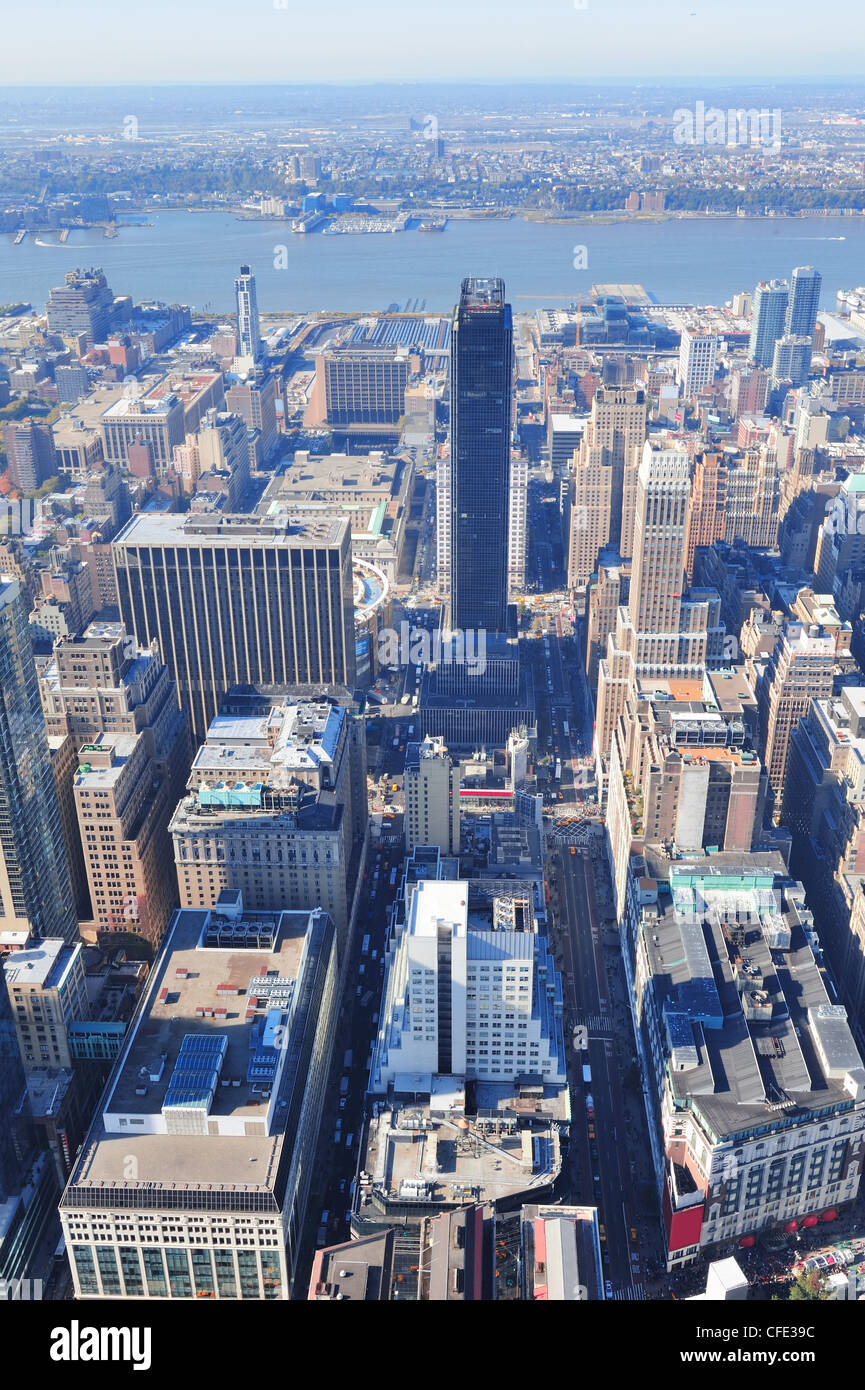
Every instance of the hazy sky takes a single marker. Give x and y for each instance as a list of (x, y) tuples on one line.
[(110, 41)]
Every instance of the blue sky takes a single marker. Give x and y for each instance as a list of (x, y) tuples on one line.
[(109, 41)]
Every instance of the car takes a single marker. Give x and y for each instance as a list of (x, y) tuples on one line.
[(596, 1179), (342, 1102), (608, 1289), (573, 849)]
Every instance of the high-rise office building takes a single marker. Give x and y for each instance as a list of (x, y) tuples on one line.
[(238, 600), (82, 307), (481, 394), (123, 806), (272, 809), (663, 631), (254, 400), (155, 420), (248, 335), (804, 302), (605, 597), (661, 530), (432, 797), (697, 357), (604, 479), (206, 1195), (768, 319), (35, 889), (517, 524), (362, 388), (30, 453), (441, 970), (708, 521), (801, 670), (791, 360)]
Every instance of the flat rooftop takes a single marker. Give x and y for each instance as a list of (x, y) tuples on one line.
[(173, 529), (43, 964), (190, 982), (749, 1022), (413, 1141)]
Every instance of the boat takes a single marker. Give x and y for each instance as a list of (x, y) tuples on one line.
[(433, 226)]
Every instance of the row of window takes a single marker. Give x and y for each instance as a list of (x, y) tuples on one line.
[(183, 1273)]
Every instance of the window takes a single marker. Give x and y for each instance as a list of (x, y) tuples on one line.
[(83, 1256), (154, 1272), (131, 1268), (224, 1262), (107, 1262), (178, 1273)]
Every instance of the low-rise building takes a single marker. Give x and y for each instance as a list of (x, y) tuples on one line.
[(755, 1086)]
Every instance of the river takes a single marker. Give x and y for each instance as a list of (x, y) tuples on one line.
[(192, 258)]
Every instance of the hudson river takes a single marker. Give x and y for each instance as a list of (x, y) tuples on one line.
[(192, 258)]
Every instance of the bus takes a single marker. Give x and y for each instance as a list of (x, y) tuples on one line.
[(587, 1075), (557, 775), (364, 946), (393, 877), (565, 730)]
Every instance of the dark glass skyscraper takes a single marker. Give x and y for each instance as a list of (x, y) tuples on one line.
[(481, 376), (35, 888)]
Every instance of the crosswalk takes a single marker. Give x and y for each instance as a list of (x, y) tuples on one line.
[(597, 1023), (635, 1293)]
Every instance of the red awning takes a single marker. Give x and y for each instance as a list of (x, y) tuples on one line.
[(791, 1227), (746, 1240), (810, 1221), (829, 1215)]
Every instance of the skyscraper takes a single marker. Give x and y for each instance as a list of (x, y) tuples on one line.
[(30, 453), (697, 354), (657, 578), (82, 307), (663, 631), (801, 670), (35, 889), (605, 470), (768, 319), (238, 600), (432, 797), (804, 301), (481, 377), (791, 360), (248, 336)]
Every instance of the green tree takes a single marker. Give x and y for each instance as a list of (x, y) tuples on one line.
[(809, 1287)]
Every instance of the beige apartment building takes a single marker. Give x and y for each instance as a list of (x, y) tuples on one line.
[(123, 809)]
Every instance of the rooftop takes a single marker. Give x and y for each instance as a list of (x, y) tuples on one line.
[(228, 529), (199, 1080), (45, 963), (736, 964)]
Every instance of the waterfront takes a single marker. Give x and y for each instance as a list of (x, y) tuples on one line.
[(193, 260)]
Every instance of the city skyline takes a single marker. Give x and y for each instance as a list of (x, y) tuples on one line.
[(432, 664)]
